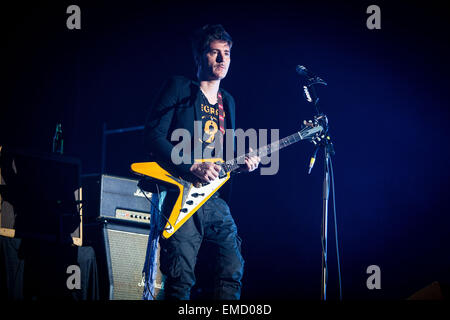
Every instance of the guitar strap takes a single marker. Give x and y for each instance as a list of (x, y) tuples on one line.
[(221, 113)]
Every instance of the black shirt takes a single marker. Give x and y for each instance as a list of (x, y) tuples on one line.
[(212, 139)]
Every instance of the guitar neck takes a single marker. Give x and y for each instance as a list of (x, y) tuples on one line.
[(233, 164)]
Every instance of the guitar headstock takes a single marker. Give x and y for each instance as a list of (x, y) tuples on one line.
[(316, 130)]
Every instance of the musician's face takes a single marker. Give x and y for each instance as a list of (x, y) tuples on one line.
[(215, 62)]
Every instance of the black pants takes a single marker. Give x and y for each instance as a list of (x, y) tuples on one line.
[(212, 222)]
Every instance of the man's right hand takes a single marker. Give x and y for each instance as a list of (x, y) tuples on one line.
[(206, 171)]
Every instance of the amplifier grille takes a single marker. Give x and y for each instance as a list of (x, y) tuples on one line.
[(127, 252)]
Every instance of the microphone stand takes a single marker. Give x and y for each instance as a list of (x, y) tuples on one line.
[(323, 141), (328, 151)]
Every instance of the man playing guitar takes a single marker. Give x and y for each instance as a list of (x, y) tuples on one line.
[(181, 102)]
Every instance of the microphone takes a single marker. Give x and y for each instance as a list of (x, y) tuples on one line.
[(303, 72)]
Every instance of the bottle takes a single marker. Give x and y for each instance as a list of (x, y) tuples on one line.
[(58, 141)]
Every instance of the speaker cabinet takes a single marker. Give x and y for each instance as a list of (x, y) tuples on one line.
[(125, 248), (40, 196), (117, 216), (434, 291)]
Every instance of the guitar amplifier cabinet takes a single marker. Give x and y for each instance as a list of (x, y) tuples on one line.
[(125, 248), (117, 215), (40, 196), (115, 197)]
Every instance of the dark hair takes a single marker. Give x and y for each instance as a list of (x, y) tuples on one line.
[(205, 35)]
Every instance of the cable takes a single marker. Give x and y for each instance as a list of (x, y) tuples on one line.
[(155, 207), (325, 260), (336, 231), (158, 227)]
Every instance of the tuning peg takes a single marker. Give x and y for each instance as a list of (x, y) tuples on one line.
[(308, 123)]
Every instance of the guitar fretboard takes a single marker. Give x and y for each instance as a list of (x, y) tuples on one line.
[(234, 164)]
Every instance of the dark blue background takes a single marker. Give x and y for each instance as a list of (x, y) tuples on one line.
[(387, 100)]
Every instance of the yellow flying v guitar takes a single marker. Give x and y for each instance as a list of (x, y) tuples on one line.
[(192, 195)]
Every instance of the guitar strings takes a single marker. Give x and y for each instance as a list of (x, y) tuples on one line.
[(266, 150)]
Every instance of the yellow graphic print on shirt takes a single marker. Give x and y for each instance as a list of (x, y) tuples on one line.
[(210, 120)]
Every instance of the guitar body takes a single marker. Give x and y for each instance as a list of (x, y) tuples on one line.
[(191, 196)]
